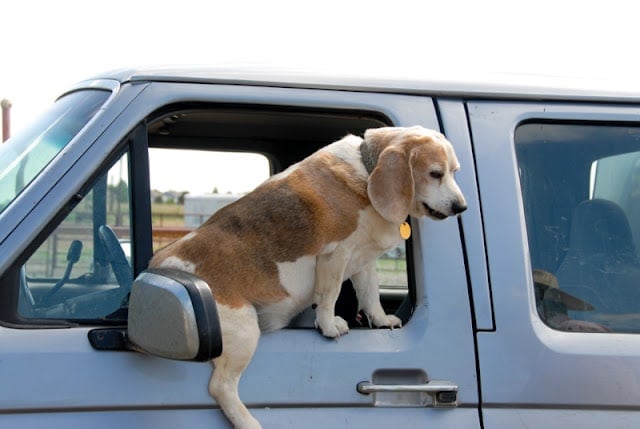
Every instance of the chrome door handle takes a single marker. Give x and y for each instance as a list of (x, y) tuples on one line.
[(443, 393)]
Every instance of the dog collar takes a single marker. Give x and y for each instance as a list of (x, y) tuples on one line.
[(368, 158)]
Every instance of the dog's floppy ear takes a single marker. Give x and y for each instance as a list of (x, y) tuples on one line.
[(390, 185)]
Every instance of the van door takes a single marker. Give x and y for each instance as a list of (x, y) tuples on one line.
[(297, 377), (558, 184)]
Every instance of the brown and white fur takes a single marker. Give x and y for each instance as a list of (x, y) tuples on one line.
[(292, 241)]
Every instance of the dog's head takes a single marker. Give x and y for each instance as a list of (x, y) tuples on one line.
[(413, 173)]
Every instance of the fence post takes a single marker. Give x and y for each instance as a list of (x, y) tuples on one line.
[(6, 119)]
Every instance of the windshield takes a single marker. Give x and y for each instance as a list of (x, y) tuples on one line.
[(25, 155)]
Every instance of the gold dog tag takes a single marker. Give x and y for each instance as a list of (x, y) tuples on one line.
[(405, 230)]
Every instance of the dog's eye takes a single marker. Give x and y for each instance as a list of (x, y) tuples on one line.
[(436, 174)]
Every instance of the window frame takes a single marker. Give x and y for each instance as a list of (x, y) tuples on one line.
[(404, 302), (590, 158)]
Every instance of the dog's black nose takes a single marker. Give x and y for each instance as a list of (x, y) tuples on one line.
[(458, 207)]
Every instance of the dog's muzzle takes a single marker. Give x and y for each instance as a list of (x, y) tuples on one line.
[(456, 208)]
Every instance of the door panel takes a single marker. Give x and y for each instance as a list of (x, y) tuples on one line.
[(296, 375), (528, 365)]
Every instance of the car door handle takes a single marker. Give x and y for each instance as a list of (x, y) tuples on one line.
[(443, 393)]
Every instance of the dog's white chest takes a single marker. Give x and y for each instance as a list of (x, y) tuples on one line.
[(373, 237)]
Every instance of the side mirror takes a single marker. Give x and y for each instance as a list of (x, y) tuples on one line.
[(172, 314)]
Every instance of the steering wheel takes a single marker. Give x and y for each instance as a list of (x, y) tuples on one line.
[(26, 302), (73, 255), (117, 258)]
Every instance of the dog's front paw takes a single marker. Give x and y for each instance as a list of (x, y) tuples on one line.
[(387, 321), (333, 328)]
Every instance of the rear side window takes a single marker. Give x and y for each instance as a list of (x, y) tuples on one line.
[(581, 194)]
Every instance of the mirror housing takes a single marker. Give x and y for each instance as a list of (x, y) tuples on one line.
[(173, 314)]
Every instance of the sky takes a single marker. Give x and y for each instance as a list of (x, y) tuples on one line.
[(49, 45)]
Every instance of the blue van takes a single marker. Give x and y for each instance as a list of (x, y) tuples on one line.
[(523, 312)]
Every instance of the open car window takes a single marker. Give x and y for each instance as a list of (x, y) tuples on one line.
[(218, 154)]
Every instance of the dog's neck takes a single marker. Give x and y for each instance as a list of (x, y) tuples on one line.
[(369, 159)]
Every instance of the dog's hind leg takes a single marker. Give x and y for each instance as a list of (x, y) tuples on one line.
[(240, 334)]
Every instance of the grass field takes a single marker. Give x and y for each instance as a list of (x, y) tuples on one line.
[(167, 214), (392, 271)]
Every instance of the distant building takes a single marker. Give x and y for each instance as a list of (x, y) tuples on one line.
[(198, 208), (166, 197)]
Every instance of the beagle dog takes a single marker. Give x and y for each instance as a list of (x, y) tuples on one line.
[(291, 242)]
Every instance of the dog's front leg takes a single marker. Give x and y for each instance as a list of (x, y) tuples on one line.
[(367, 290), (329, 275)]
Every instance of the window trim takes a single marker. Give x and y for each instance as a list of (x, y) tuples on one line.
[(140, 203)]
